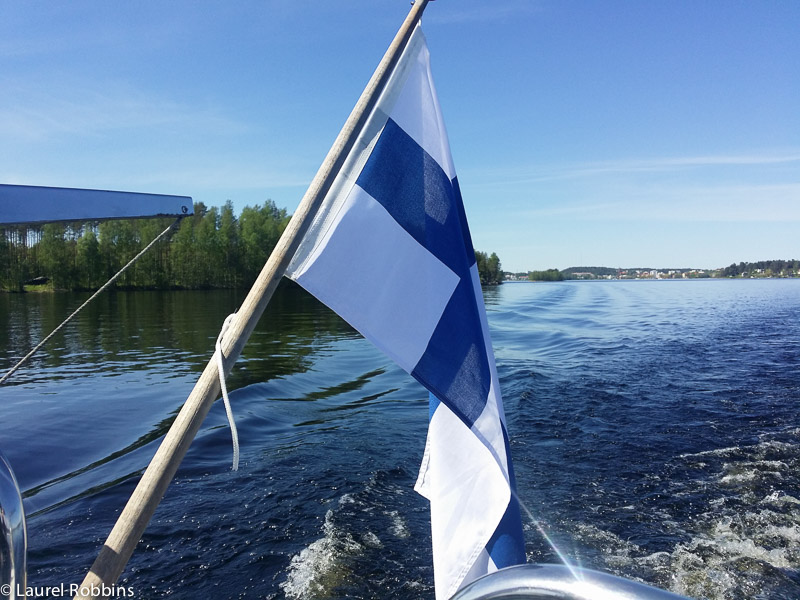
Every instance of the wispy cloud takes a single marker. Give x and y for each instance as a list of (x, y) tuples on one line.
[(759, 187), (117, 137), (228, 176), (28, 113), (632, 167), (746, 203), (717, 203)]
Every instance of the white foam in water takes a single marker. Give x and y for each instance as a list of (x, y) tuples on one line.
[(725, 563), (399, 527), (744, 472), (731, 554), (780, 498), (326, 564), (740, 544), (319, 568), (371, 540), (613, 547)]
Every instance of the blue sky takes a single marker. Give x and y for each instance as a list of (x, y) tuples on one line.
[(615, 133)]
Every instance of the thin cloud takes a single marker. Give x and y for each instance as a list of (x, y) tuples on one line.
[(709, 203), (29, 114), (561, 172)]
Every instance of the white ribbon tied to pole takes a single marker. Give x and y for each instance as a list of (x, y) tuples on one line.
[(228, 410)]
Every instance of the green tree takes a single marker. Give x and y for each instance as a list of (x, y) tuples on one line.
[(154, 268), (228, 236), (6, 279), (494, 269), (17, 260), (182, 254), (480, 262), (260, 229), (88, 260), (119, 243), (207, 250), (57, 256), (490, 271)]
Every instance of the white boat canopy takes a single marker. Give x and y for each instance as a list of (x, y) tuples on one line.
[(23, 204)]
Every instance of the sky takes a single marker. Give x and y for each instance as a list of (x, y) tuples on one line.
[(617, 133)]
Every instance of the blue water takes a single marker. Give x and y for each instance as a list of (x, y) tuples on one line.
[(654, 431)]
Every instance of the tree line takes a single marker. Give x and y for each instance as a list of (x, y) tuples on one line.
[(767, 268), (212, 248), (548, 275), (764, 268), (595, 271)]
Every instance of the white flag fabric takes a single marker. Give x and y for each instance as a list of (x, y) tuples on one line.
[(391, 253)]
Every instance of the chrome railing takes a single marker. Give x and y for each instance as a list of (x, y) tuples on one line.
[(558, 582), (13, 537)]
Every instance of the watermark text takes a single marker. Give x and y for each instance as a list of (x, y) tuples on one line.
[(64, 590)]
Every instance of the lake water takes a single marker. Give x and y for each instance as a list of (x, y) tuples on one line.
[(654, 430)]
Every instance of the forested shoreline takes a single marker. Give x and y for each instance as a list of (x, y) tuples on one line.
[(749, 270), (211, 249)]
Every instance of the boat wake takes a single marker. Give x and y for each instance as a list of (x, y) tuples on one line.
[(735, 522), (323, 565), (365, 539)]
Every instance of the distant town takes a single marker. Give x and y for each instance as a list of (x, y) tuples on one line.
[(761, 269)]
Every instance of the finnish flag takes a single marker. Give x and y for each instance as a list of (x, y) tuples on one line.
[(391, 253)]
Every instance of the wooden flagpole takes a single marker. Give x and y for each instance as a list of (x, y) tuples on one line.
[(133, 520)]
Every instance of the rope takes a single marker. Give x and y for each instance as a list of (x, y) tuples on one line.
[(228, 411), (25, 358)]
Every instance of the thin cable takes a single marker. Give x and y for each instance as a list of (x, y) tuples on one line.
[(25, 358), (228, 410)]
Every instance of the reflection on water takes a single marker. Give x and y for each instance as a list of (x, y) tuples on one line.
[(113, 380), (155, 330)]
